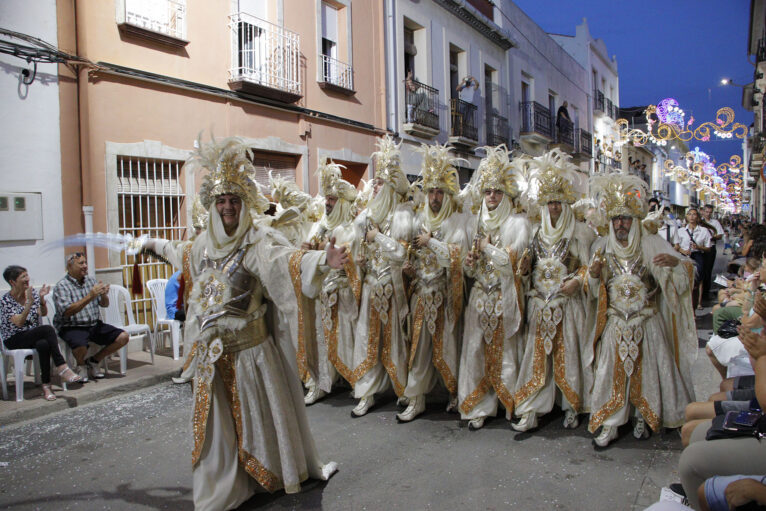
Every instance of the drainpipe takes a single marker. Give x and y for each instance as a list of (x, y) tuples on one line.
[(392, 98), (87, 212)]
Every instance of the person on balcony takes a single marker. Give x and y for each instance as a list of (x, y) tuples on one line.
[(413, 98), (563, 121)]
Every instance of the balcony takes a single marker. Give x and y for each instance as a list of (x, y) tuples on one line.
[(760, 52), (336, 76), (585, 146), (464, 131), (598, 101), (163, 21), (565, 133), (535, 123), (497, 130), (265, 59), (422, 103)]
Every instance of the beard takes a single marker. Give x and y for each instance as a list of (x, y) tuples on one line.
[(621, 234)]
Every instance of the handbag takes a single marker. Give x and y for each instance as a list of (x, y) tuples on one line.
[(728, 329), (717, 430)]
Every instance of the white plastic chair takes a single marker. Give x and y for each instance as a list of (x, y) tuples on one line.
[(114, 314), (64, 348), (157, 292), (18, 357)]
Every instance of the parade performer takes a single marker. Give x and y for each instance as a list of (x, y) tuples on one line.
[(337, 304), (489, 358), (383, 231), (642, 323), (249, 423), (556, 303), (436, 268)]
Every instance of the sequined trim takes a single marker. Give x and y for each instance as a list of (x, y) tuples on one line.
[(385, 358), (438, 356), (516, 281), (600, 313), (417, 325), (493, 366), (266, 478), (353, 280), (331, 337), (456, 281), (617, 399), (373, 338), (295, 275), (190, 356), (187, 274), (560, 371), (199, 417), (538, 368)]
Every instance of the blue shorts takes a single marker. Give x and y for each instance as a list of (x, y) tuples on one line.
[(715, 490), (101, 333)]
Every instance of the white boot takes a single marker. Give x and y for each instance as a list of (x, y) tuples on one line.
[(640, 431), (314, 393), (528, 421), (363, 406), (476, 423), (416, 407), (608, 433), (570, 419)]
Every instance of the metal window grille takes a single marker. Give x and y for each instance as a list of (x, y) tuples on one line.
[(150, 201)]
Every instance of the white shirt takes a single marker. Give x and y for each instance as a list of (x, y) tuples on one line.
[(662, 232), (700, 234), (718, 227)]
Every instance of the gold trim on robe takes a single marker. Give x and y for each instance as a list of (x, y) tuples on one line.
[(493, 366), (331, 337), (295, 275)]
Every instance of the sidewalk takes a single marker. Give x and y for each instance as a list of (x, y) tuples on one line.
[(141, 373)]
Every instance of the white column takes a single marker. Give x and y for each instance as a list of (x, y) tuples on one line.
[(87, 211)]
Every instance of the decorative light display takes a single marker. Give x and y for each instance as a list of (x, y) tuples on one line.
[(722, 183), (666, 123)]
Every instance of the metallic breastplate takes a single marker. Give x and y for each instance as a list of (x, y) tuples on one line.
[(228, 290), (631, 287), (377, 266), (428, 272), (550, 267)]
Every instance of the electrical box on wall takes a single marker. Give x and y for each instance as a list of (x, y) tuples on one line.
[(21, 216)]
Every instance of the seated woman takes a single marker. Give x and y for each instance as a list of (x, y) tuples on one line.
[(20, 311)]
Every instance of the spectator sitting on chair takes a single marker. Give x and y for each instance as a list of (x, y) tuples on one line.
[(174, 297), (20, 311), (78, 297)]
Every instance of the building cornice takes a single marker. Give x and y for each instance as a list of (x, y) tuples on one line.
[(475, 19)]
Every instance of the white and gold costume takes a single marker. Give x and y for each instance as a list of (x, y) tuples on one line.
[(641, 322), (380, 339), (555, 344), (336, 305), (493, 316), (249, 422), (436, 304)]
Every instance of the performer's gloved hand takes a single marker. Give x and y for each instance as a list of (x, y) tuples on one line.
[(336, 257)]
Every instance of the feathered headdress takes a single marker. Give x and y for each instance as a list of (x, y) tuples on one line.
[(331, 181), (286, 192), (438, 169), (199, 214), (620, 194), (230, 170), (553, 177), (496, 172), (388, 164)]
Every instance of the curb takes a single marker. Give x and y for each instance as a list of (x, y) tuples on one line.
[(66, 401)]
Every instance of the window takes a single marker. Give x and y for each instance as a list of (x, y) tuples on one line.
[(330, 69), (150, 200), (280, 164), (162, 17), (454, 72), (409, 51), (334, 69)]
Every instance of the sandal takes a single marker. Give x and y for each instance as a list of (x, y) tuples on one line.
[(72, 378), (48, 394)]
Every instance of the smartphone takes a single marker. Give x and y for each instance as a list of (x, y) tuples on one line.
[(738, 420)]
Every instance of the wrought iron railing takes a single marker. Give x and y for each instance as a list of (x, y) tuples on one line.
[(609, 108), (535, 118), (598, 100), (264, 53), (586, 142), (336, 72), (760, 54), (464, 119), (497, 130), (422, 104), (162, 16), (565, 131)]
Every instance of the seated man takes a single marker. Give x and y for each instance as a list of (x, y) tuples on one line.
[(78, 297), (174, 298)]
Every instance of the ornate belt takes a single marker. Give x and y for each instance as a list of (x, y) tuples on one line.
[(253, 334)]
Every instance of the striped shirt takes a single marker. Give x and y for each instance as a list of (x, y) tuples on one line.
[(68, 291)]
